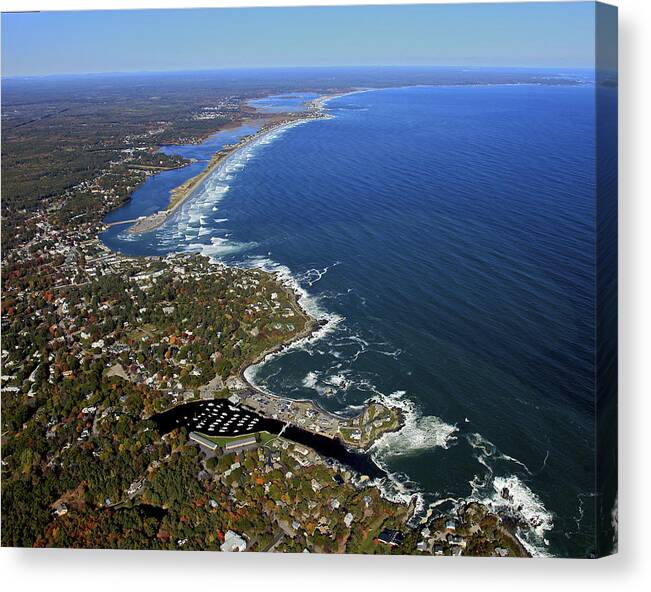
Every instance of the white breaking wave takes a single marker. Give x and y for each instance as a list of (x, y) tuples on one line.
[(311, 380), (312, 276), (192, 216), (310, 304), (422, 433), (512, 497), (419, 432), (218, 247), (488, 453), (338, 380), (326, 386), (399, 489), (521, 503)]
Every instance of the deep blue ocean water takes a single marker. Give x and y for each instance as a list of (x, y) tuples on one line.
[(447, 234)]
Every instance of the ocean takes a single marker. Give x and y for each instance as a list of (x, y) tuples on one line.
[(446, 234)]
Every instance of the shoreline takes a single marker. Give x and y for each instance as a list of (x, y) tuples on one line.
[(247, 392), (313, 325), (311, 328), (180, 194), (315, 110)]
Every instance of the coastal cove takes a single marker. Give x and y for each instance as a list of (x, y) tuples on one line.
[(201, 415), (179, 185), (428, 325)]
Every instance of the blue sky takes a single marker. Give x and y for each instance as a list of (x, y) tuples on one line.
[(526, 34)]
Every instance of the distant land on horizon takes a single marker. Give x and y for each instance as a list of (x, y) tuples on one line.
[(289, 68)]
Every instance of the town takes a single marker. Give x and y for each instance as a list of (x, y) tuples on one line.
[(96, 344)]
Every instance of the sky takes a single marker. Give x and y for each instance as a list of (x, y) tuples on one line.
[(511, 34)]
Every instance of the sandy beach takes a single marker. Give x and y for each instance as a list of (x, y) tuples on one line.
[(181, 193)]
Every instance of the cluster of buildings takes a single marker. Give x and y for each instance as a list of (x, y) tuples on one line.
[(311, 501), (335, 509), (304, 414), (224, 107), (40, 272), (360, 431)]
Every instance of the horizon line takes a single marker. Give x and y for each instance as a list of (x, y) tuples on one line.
[(296, 67)]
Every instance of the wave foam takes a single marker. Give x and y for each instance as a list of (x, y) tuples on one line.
[(328, 321), (311, 380), (218, 247), (192, 215), (488, 453), (514, 498), (419, 432), (308, 303), (339, 381), (312, 276)]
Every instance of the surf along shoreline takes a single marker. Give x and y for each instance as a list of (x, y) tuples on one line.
[(179, 195), (293, 412), (336, 426), (316, 110)]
